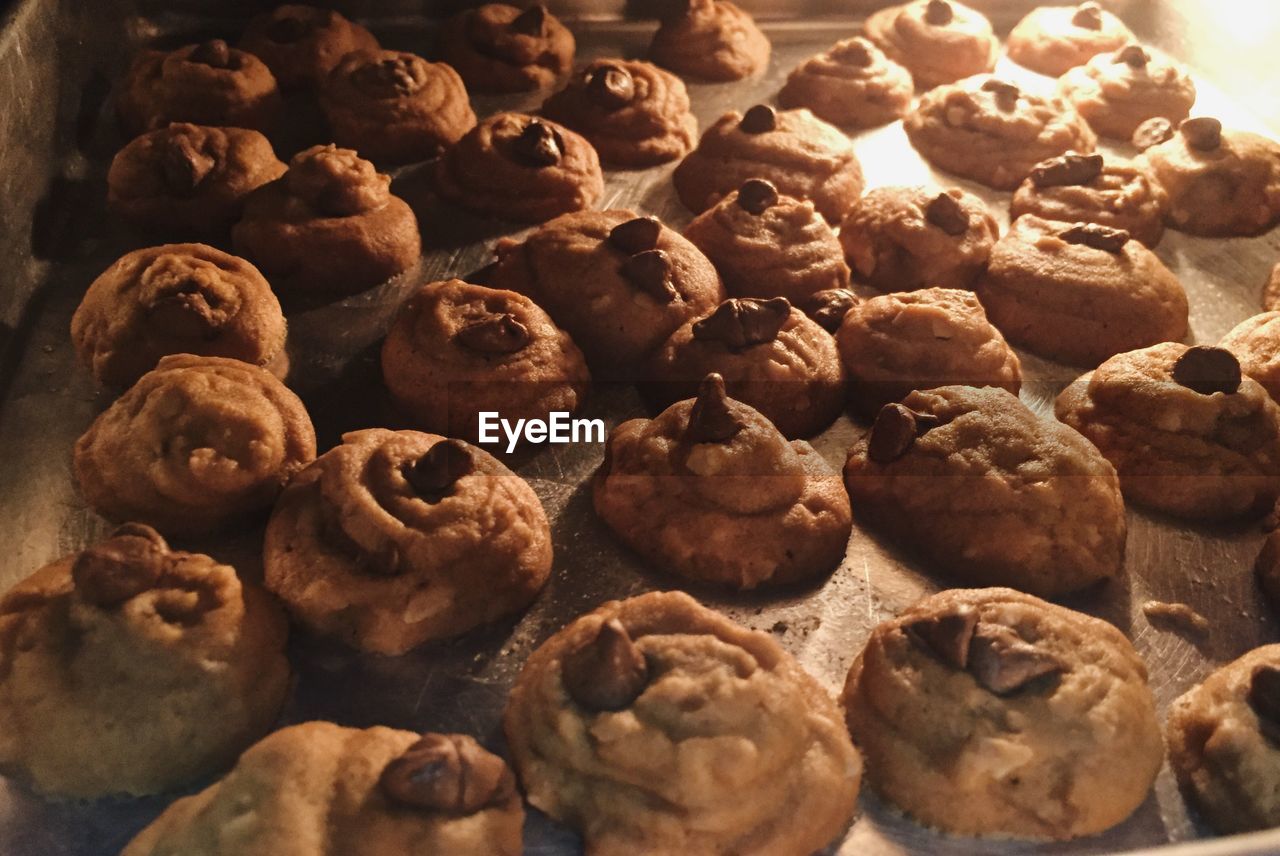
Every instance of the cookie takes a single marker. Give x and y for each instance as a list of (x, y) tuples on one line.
[(801, 155), (1055, 39), (1079, 292), (302, 44), (208, 83), (634, 113), (321, 788), (853, 85), (515, 167), (501, 48), (196, 444), (654, 725), (1117, 92), (987, 712), (1221, 183), (395, 107), (895, 343), (1255, 342), (710, 490), (177, 299), (1052, 515), (906, 238), (395, 538), (131, 668), (618, 283), (710, 39), (189, 181), (772, 357), (989, 130), (1090, 189), (457, 349), (938, 42), (1189, 435), (765, 244), (1224, 743), (331, 225)]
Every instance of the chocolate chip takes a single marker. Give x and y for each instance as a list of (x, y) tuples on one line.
[(760, 119), (530, 22), (497, 334), (611, 86), (1152, 132), (855, 52), (1002, 662), (183, 165), (122, 567), (1067, 170), (946, 636), (287, 29), (895, 431), (650, 272), (743, 322), (1006, 93), (214, 53), (945, 212), (1203, 133), (710, 419), (434, 474), (636, 235), (449, 773), (539, 145), (939, 13), (1097, 236), (1207, 370), (1133, 56), (1088, 16), (608, 673), (756, 196), (1264, 698), (828, 307)]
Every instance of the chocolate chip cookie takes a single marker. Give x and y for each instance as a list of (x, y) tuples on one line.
[(710, 39), (654, 725), (938, 41), (502, 48), (1255, 342), (302, 44), (988, 712), (1052, 515), (1117, 92), (1055, 39), (853, 85)]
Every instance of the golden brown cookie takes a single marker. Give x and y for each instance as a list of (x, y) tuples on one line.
[(516, 167), (1256, 344), (195, 444), (712, 491), (938, 42), (1221, 183), (618, 283), (207, 84), (395, 107), (321, 788), (1189, 435), (457, 349), (906, 238), (634, 113), (302, 44), (1075, 188), (1055, 39), (1052, 516), (656, 726), (189, 181), (1224, 743), (1117, 92), (331, 225), (130, 668), (771, 356), (177, 299), (395, 538), (801, 155), (710, 39), (765, 244), (1079, 292), (853, 85), (988, 712), (993, 132), (895, 343), (501, 48)]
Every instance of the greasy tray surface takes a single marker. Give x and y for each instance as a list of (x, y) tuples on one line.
[(461, 686)]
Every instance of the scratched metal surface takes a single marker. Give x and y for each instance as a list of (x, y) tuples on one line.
[(59, 59)]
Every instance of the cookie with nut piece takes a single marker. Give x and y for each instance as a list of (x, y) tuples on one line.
[(710, 39), (1117, 91), (938, 41), (1055, 39), (853, 85), (497, 47), (1074, 188)]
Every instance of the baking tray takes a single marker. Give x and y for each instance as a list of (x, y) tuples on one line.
[(57, 63)]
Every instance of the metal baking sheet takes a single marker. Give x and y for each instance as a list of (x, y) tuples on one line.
[(57, 61)]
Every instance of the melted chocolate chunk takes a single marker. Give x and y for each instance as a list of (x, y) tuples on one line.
[(744, 322), (539, 145), (1207, 370), (637, 235), (611, 87), (939, 13), (1002, 662), (531, 22), (1264, 699), (650, 272), (855, 52), (183, 165), (1088, 16), (497, 334), (1067, 170), (760, 119), (434, 474), (1097, 236), (710, 419), (1006, 94), (895, 431), (828, 307), (214, 53), (946, 636), (1203, 133), (120, 568), (607, 673), (1134, 56), (448, 773), (945, 212), (756, 196), (1152, 132)]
